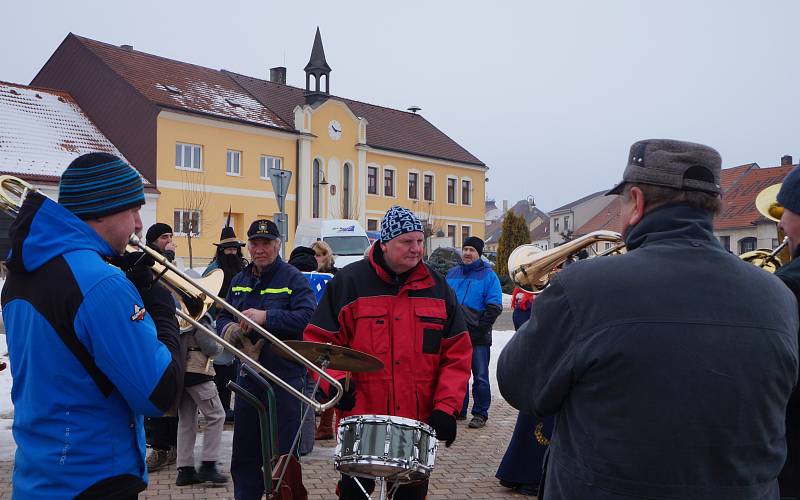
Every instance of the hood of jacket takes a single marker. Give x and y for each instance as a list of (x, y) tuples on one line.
[(44, 230)]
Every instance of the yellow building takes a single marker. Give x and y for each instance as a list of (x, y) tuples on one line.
[(210, 139)]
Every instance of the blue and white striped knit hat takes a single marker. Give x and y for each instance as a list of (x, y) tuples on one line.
[(99, 184), (397, 221)]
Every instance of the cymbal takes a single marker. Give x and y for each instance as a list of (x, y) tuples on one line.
[(339, 357)]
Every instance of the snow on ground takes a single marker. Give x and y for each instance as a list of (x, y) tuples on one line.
[(7, 446)]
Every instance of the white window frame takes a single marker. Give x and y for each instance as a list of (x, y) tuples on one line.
[(196, 150), (378, 180), (433, 185), (455, 232), (228, 155), (461, 190), (556, 230), (179, 227), (408, 183), (394, 182), (263, 165), (566, 223), (447, 190)]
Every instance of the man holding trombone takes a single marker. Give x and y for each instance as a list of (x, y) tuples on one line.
[(86, 357), (277, 297), (669, 367)]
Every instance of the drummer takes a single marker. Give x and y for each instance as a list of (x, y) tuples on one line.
[(392, 306)]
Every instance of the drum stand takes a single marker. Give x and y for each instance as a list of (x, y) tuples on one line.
[(383, 494)]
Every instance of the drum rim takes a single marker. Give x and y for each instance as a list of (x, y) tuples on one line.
[(372, 417)]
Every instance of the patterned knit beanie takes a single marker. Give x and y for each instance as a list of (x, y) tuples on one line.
[(397, 221), (99, 184)]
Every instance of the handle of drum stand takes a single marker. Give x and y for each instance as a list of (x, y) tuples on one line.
[(273, 415), (268, 441)]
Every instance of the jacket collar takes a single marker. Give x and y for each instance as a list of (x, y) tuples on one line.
[(671, 222), (417, 278), (472, 266)]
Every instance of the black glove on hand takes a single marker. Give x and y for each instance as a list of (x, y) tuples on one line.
[(444, 425), (136, 266), (348, 400)]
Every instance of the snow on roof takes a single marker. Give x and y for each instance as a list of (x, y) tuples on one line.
[(42, 131)]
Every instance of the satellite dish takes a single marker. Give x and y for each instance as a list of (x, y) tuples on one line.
[(414, 109)]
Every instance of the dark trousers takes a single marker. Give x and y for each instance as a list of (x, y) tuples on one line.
[(524, 457), (481, 389), (163, 432), (224, 373), (248, 478), (349, 490)]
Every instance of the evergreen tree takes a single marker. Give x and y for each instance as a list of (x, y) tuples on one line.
[(513, 234)]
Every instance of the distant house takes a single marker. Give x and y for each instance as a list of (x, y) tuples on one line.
[(41, 132), (534, 219), (564, 219)]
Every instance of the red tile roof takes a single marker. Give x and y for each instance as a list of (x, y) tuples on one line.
[(730, 176), (388, 129), (184, 86), (607, 219), (738, 202)]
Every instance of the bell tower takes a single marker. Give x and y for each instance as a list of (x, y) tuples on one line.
[(317, 71)]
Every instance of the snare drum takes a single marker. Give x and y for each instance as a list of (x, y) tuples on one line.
[(381, 446)]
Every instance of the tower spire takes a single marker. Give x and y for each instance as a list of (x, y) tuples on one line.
[(317, 69)]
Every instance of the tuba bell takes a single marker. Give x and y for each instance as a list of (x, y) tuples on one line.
[(531, 268), (768, 206)]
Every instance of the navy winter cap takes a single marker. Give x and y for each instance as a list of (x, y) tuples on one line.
[(789, 195), (99, 184)]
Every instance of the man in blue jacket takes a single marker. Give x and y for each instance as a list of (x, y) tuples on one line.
[(276, 296), (86, 359), (668, 368), (478, 291)]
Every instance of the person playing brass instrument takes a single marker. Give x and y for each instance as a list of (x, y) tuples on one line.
[(668, 368), (86, 358)]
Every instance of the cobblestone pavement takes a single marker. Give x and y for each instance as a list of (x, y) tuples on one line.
[(463, 471)]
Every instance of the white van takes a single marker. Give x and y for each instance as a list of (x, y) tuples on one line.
[(347, 238)]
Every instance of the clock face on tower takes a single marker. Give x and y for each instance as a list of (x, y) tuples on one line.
[(335, 130)]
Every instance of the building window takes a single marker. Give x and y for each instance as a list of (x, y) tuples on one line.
[(451, 232), (451, 190), (388, 182), (566, 223), (747, 244), (315, 189), (372, 224), (233, 165), (188, 156), (267, 163), (427, 189), (372, 180), (465, 233), (346, 191), (555, 221), (413, 186), (466, 188), (725, 241), (185, 221)]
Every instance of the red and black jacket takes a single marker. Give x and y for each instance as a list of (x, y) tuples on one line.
[(415, 327)]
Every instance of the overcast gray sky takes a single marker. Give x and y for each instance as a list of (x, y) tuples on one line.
[(549, 94)]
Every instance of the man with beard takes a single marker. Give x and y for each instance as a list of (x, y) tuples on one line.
[(668, 368), (228, 258)]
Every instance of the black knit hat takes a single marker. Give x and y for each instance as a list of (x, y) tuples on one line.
[(474, 242), (156, 230), (99, 184)]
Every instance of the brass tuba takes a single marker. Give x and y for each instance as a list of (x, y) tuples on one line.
[(531, 268), (13, 191), (768, 206)]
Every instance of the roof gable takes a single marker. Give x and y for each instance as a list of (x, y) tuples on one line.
[(577, 202), (607, 219), (42, 131), (388, 129), (738, 202)]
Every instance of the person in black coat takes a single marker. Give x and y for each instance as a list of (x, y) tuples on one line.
[(789, 197)]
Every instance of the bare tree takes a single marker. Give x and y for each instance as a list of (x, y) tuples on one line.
[(427, 213), (195, 199)]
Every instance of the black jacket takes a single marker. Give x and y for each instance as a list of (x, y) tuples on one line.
[(668, 369), (789, 479)]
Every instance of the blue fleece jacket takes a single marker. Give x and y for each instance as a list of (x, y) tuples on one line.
[(478, 291), (75, 426)]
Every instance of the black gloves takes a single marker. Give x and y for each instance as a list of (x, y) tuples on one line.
[(348, 400), (444, 425), (136, 266)]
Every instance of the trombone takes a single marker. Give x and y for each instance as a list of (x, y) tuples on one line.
[(13, 192)]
